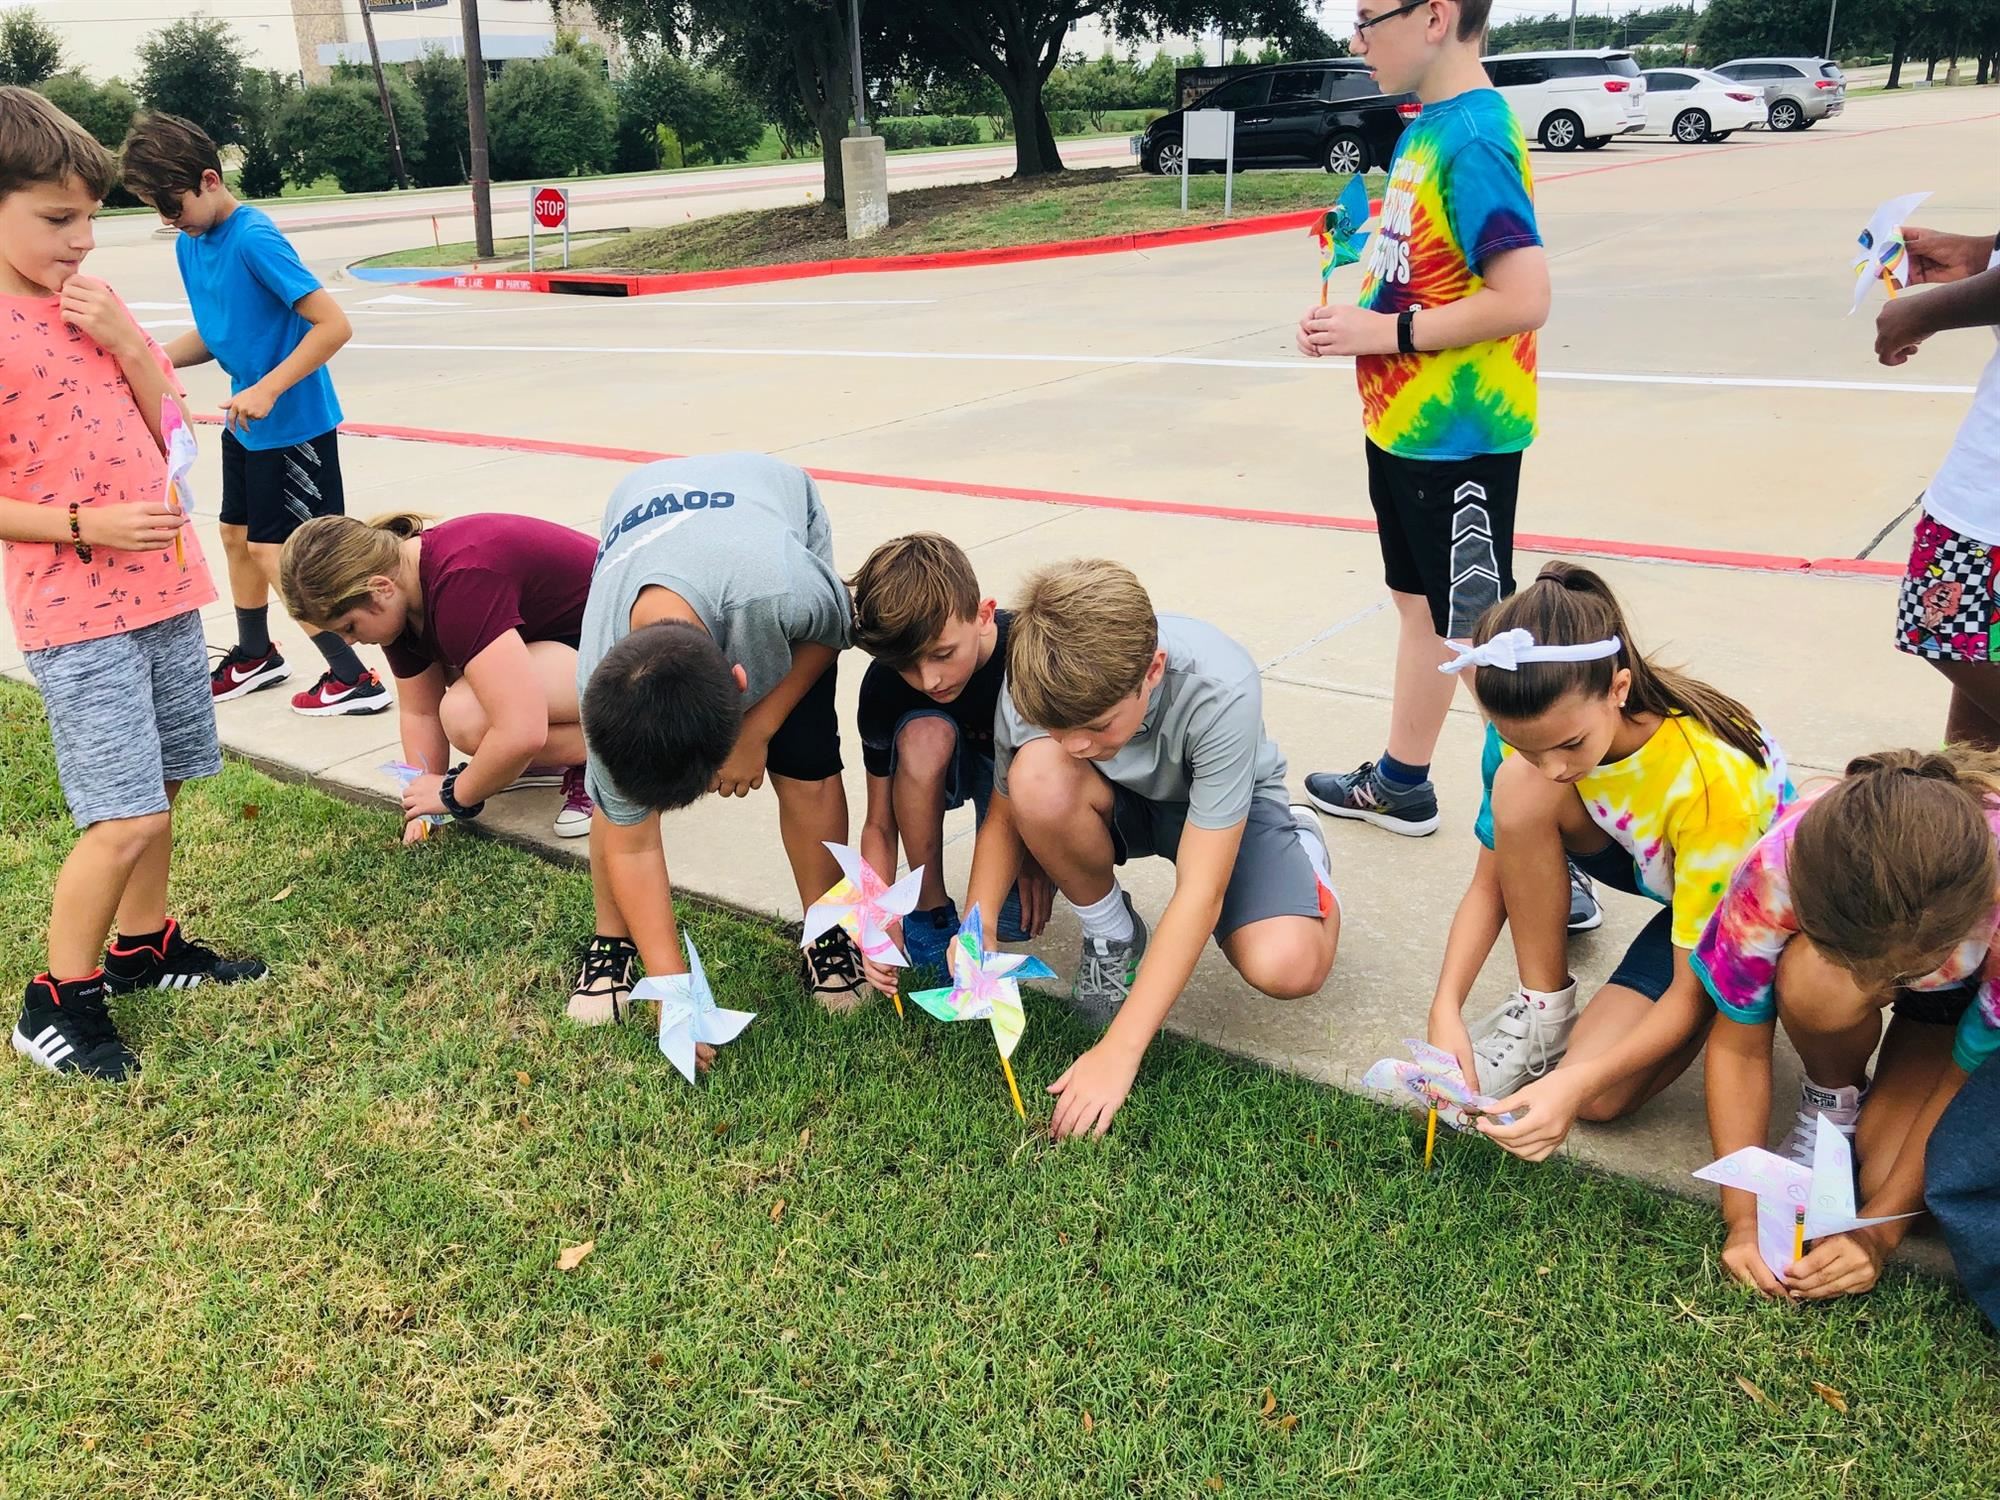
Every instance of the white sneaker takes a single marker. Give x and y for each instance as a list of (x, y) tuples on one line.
[(1524, 1039), (1842, 1107)]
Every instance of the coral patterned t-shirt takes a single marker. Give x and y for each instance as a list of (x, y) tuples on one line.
[(1459, 196), (70, 429)]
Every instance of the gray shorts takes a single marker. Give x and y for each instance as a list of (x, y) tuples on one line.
[(1272, 878), (128, 714)]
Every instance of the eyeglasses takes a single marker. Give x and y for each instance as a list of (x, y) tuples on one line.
[(1361, 27)]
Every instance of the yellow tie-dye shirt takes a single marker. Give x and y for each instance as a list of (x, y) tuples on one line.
[(1459, 195)]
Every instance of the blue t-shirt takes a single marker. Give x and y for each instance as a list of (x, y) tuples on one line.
[(243, 280)]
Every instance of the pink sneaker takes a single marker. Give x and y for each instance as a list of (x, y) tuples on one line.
[(573, 822)]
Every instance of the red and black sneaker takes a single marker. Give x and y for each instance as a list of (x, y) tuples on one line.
[(66, 1028), (239, 673), (171, 962), (330, 697)]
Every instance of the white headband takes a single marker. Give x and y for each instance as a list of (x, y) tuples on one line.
[(1509, 649)]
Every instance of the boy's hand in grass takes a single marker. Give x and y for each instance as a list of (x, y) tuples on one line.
[(743, 772), (878, 974), (1745, 1262), (1841, 1265), (1090, 1092), (1038, 896), (1546, 1109), (423, 797)]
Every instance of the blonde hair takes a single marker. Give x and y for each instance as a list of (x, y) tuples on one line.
[(908, 592), (39, 143), (1082, 638), (1895, 863), (325, 567)]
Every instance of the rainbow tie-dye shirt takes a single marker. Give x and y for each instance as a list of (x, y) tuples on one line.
[(1738, 956), (1459, 195)]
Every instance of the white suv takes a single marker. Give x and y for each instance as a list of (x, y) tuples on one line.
[(1571, 99)]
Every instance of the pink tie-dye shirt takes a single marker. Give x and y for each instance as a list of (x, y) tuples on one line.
[(1737, 957)]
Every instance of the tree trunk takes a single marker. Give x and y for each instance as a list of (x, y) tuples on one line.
[(1930, 73), (1034, 141), (1896, 59), (826, 87), (1046, 130)]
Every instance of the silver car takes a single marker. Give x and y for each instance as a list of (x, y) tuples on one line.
[(1799, 92)]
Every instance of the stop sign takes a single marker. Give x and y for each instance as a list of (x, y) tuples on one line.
[(551, 207)]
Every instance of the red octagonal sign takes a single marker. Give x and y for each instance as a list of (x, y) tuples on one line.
[(551, 207)]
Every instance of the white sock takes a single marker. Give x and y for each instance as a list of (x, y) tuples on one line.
[(1108, 921)]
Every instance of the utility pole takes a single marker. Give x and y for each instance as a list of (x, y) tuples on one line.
[(1572, 25), (860, 88), (1831, 8), (382, 92), (475, 119)]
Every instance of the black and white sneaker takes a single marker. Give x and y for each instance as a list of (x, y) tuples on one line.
[(1585, 915), (831, 972), (66, 1028), (171, 962), (603, 992)]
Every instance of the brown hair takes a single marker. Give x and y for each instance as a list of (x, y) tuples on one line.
[(1082, 638), (325, 567), (908, 592), (1472, 16), (41, 144), (164, 156), (1571, 606)]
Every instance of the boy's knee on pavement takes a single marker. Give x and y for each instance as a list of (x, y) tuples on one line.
[(1046, 783), (1288, 964), (925, 746)]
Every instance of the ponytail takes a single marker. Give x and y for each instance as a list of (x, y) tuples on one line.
[(324, 570)]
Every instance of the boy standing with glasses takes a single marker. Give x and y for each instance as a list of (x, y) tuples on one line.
[(1454, 286)]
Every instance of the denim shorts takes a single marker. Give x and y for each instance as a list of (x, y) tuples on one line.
[(1648, 964), (969, 777)]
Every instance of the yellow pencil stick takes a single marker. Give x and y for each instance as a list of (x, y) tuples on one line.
[(1889, 282), (896, 996), (1799, 1236), (1013, 1087), (1430, 1137)]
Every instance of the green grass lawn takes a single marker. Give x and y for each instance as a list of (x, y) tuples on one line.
[(313, 1249)]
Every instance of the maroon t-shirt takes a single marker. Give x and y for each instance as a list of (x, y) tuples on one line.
[(483, 576)]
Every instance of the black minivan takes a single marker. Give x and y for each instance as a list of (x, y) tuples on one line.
[(1328, 114)]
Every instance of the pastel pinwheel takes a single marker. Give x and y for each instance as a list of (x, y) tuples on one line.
[(1796, 1203), (864, 905), (1884, 257), (688, 1012), (1438, 1083), (986, 987), (179, 438), (405, 774)]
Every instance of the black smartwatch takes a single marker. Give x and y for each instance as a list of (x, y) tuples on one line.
[(1406, 340), (447, 794)]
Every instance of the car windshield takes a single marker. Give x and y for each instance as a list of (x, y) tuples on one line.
[(1621, 66), (1828, 70)]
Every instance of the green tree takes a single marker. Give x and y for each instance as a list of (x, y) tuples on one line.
[(30, 49), (552, 117), (710, 114), (266, 93), (336, 130), (194, 68), (439, 81), (104, 109)]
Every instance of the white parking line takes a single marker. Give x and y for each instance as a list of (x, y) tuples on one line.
[(1184, 361)]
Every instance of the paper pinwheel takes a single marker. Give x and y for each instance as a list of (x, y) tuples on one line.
[(1438, 1082), (1339, 232), (688, 1012), (986, 987), (179, 438), (405, 774), (1796, 1203), (865, 906), (1884, 257)]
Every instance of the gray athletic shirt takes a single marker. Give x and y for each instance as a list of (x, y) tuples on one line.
[(744, 539), (1202, 741)]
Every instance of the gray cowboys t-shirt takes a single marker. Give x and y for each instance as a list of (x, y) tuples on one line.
[(744, 539), (1202, 741)]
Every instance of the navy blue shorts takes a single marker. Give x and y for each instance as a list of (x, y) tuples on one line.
[(1648, 965)]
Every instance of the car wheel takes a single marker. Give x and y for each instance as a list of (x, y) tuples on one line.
[(1720, 135), (1167, 158), (1561, 131), (1346, 154), (1806, 122), (1596, 142), (1786, 115), (1690, 127)]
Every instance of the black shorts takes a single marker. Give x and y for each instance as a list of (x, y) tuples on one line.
[(272, 492), (1648, 964), (1945, 1007), (807, 745), (1447, 531)]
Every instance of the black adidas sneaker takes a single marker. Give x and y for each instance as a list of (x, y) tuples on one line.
[(831, 971), (67, 1029), (171, 962)]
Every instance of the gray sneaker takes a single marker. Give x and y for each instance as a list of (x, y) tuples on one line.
[(1105, 971), (1363, 793), (1585, 915)]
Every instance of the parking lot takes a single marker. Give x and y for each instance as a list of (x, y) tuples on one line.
[(1712, 420)]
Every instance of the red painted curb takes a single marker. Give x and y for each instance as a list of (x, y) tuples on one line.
[(648, 285), (1703, 557)]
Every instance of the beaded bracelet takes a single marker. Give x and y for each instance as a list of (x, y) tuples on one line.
[(76, 535)]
